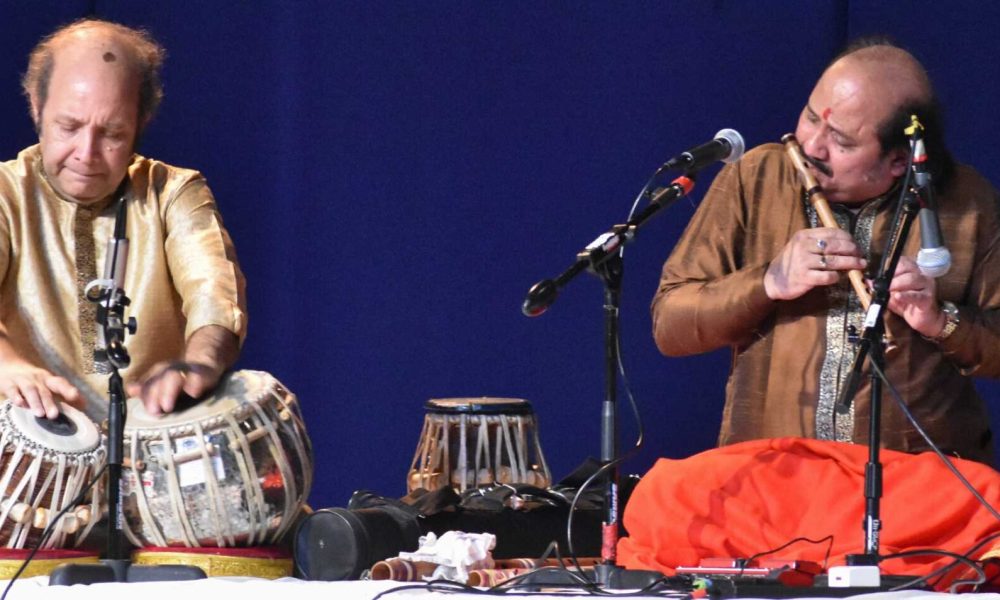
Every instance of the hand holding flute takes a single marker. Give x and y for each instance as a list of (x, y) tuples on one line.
[(815, 257)]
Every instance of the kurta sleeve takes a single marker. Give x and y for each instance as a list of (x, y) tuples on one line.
[(710, 295), (203, 261), (975, 344)]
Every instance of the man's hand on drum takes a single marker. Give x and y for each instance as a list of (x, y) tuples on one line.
[(35, 388), (160, 387), (209, 352), (812, 258)]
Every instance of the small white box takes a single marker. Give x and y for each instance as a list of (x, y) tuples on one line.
[(857, 576)]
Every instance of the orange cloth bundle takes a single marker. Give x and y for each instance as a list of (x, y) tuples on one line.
[(739, 500)]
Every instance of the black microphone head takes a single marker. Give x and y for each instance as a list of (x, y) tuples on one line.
[(540, 296), (736, 144)]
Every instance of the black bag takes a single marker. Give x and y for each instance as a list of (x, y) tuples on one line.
[(335, 544)]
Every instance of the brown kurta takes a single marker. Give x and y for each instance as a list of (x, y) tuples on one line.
[(181, 274), (790, 357)]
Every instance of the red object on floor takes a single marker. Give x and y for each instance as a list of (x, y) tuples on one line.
[(747, 498)]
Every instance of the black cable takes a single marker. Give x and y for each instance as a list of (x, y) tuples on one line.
[(47, 532), (428, 586), (958, 558), (590, 588), (940, 571), (517, 581), (944, 458), (826, 557)]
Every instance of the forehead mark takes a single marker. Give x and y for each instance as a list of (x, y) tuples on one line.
[(826, 113), (109, 57)]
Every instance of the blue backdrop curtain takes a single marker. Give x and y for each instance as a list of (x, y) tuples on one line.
[(397, 174)]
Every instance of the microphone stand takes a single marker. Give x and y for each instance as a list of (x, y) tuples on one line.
[(871, 345), (603, 256), (116, 567)]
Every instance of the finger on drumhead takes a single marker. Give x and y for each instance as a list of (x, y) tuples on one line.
[(150, 394), (152, 407), (151, 399), (170, 387), (61, 386), (34, 401), (49, 402), (197, 384)]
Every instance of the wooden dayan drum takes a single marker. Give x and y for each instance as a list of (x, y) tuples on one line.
[(471, 442), (44, 464)]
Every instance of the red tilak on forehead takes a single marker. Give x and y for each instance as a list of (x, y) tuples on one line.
[(826, 114)]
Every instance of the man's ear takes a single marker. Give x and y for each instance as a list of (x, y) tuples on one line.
[(36, 112), (898, 159)]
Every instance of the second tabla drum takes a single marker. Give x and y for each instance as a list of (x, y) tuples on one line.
[(471, 442), (232, 470)]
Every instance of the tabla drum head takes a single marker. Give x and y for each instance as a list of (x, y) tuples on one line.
[(479, 406), (235, 390), (73, 432)]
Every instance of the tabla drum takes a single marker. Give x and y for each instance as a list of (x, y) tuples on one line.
[(232, 470), (470, 442), (44, 465)]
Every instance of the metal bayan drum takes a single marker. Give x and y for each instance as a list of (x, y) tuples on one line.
[(469, 442), (44, 464), (232, 470)]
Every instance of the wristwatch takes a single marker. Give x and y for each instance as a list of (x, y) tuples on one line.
[(950, 321)]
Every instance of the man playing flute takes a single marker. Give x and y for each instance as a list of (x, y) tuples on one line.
[(757, 272)]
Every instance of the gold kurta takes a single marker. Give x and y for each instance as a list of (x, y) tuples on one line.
[(181, 273), (790, 358)]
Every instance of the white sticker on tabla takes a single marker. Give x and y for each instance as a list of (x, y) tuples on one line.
[(148, 479), (129, 480), (192, 472)]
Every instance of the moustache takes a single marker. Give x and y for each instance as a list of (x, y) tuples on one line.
[(820, 166)]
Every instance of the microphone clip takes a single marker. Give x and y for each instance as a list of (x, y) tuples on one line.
[(108, 293), (111, 322)]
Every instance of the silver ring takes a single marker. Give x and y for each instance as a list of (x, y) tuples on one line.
[(821, 244), (822, 261)]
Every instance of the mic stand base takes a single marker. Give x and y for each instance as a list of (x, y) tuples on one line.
[(607, 574), (122, 571)]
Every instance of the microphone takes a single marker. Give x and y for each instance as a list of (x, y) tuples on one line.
[(540, 296), (727, 146), (933, 259)]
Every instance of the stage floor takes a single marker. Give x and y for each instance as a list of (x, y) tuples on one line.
[(37, 588)]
